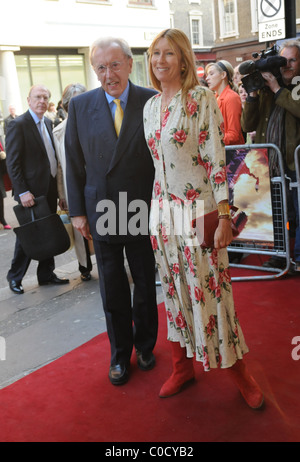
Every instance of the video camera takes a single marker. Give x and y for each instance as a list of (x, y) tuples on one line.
[(269, 61)]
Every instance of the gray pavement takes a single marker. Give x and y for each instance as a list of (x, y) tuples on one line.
[(45, 322)]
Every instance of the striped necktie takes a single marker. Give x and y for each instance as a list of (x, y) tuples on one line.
[(49, 148), (118, 116)]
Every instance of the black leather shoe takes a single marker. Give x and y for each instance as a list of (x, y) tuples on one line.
[(118, 374), (145, 362), (86, 277), (16, 287), (54, 280)]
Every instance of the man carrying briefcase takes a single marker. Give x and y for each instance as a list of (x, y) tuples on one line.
[(32, 166)]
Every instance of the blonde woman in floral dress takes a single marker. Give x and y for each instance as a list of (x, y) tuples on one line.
[(184, 131)]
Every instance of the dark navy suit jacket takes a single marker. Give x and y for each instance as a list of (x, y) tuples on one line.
[(27, 160), (99, 164)]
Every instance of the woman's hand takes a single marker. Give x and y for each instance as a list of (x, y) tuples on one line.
[(223, 234)]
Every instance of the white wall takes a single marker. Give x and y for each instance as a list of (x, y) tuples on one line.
[(68, 23)]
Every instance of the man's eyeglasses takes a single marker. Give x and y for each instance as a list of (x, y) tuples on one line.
[(115, 67), (41, 98)]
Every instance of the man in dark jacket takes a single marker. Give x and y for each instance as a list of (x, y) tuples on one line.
[(109, 174), (32, 168)]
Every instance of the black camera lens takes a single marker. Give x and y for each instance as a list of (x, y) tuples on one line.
[(253, 82)]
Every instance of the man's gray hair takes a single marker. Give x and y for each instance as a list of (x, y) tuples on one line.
[(107, 42), (290, 44)]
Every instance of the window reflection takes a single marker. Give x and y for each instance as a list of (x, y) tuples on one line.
[(53, 71), (58, 71)]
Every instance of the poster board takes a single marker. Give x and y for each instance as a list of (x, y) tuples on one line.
[(250, 191)]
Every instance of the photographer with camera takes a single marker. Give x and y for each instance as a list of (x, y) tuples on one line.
[(274, 112)]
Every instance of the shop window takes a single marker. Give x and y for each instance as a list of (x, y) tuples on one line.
[(53, 71), (71, 70), (139, 71)]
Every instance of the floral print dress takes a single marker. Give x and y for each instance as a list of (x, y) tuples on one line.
[(189, 159)]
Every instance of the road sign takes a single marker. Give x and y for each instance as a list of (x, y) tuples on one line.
[(271, 20), (271, 31), (200, 72), (270, 10)]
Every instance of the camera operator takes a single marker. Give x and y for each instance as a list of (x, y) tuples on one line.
[(275, 115)]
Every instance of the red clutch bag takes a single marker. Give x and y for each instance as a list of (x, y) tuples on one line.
[(206, 225)]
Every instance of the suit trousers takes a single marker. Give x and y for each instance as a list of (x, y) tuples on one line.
[(131, 321), (20, 261)]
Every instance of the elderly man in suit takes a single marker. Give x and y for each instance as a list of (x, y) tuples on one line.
[(12, 116), (109, 172), (32, 167)]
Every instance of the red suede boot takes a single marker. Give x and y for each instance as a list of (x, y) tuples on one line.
[(183, 372), (247, 385)]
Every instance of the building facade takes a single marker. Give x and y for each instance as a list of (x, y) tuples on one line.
[(196, 19), (236, 29), (47, 41)]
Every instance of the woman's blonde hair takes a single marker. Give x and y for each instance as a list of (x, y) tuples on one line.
[(179, 43), (224, 66)]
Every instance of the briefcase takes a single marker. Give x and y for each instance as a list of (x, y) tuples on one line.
[(41, 238), (40, 209)]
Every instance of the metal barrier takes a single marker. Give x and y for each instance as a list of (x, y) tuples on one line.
[(297, 168), (281, 246), (280, 224)]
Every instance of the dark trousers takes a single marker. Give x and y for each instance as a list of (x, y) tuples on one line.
[(20, 261), (89, 266), (131, 321)]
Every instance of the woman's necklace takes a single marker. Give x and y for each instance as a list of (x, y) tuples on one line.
[(165, 104), (165, 107)]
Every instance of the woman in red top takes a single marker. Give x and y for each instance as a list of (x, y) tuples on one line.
[(219, 79)]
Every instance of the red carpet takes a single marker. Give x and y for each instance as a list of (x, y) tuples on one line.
[(72, 400)]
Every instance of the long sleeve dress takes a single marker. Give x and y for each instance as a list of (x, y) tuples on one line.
[(189, 159)]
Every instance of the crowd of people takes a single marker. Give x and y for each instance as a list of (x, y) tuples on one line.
[(165, 144), (268, 115)]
